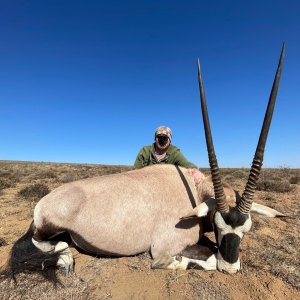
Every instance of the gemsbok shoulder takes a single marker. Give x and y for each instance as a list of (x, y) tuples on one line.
[(158, 208)]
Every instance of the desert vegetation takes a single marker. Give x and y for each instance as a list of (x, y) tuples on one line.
[(270, 252)]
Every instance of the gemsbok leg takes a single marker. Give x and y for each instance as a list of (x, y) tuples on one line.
[(193, 257)]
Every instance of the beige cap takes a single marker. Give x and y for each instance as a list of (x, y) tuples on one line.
[(164, 130)]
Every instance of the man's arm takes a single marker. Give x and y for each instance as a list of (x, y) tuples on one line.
[(141, 159), (180, 160)]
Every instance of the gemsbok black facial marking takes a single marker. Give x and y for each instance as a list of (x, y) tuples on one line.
[(234, 218), (229, 247)]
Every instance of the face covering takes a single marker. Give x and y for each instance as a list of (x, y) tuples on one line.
[(162, 140)]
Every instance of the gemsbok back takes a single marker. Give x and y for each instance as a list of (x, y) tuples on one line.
[(158, 208)]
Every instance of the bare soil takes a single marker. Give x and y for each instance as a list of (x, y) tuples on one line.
[(269, 253)]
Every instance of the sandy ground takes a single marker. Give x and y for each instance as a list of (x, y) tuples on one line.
[(270, 256)]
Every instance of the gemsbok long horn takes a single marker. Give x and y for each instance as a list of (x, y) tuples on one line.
[(244, 205), (220, 197)]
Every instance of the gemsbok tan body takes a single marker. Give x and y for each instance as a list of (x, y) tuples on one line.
[(158, 209)]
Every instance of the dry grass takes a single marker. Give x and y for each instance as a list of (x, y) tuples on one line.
[(34, 192), (34, 286), (2, 242), (6, 183), (294, 180), (202, 289), (281, 186), (279, 257)]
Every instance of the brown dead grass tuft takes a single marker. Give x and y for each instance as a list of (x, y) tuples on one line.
[(34, 286), (282, 186), (2, 242), (6, 183), (34, 192), (43, 174), (294, 180)]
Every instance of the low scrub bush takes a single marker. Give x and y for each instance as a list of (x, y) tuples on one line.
[(5, 173), (46, 174), (68, 178), (294, 180), (6, 183), (274, 186), (241, 174), (34, 192)]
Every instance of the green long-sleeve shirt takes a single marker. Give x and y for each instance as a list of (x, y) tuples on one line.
[(146, 157)]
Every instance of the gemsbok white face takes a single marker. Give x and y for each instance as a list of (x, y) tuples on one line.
[(230, 229)]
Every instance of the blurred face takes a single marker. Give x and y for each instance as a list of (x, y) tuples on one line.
[(162, 142)]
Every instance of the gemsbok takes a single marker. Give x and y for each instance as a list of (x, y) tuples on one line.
[(158, 208)]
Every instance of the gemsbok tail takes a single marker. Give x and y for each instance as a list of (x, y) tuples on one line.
[(26, 258)]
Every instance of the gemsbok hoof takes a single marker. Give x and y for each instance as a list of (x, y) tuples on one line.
[(66, 270), (162, 261), (65, 262)]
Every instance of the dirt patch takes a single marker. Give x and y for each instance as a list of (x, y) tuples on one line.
[(269, 253)]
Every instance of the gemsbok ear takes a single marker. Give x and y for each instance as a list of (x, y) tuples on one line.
[(200, 210), (266, 211)]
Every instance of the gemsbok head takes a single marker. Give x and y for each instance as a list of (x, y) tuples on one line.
[(231, 223)]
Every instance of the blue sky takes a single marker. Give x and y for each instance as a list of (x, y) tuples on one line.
[(89, 81)]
